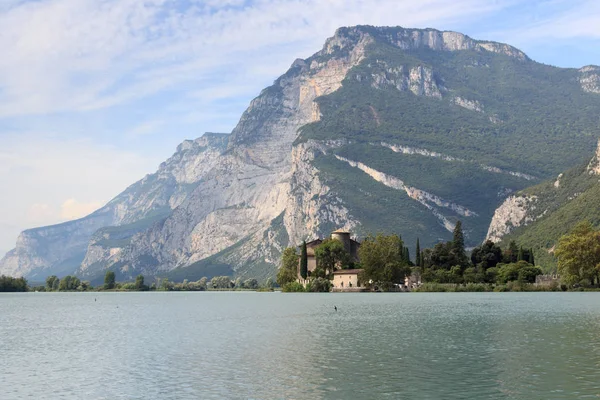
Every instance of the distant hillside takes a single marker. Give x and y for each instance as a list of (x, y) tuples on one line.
[(538, 216)]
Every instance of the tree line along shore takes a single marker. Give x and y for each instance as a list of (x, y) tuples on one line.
[(384, 264)]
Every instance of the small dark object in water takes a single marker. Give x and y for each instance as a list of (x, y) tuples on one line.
[(335, 308)]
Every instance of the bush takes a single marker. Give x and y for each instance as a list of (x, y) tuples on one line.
[(319, 285), (292, 287)]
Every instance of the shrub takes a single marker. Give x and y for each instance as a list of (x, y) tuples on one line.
[(292, 287), (319, 285)]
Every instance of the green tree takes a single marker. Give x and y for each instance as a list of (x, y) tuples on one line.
[(406, 256), (458, 245), (251, 284), (330, 256), (65, 283), (166, 285), (319, 285), (488, 255), (55, 284), (109, 280), (269, 283), (511, 254), (520, 271), (418, 254), (50, 282), (288, 271), (521, 254), (382, 261), (579, 255), (303, 261), (10, 284), (139, 282), (220, 282)]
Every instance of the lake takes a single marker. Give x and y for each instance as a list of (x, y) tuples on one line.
[(245, 345)]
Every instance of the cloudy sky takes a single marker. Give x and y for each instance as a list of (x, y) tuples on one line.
[(94, 94)]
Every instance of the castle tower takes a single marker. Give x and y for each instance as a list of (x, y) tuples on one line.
[(343, 237)]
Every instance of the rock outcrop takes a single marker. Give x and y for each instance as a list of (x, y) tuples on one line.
[(516, 211), (589, 78)]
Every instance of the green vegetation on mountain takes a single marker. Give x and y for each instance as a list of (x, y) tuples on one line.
[(535, 119), (558, 210)]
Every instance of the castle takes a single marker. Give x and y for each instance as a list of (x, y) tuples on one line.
[(351, 246)]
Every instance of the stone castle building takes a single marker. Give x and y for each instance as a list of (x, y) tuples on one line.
[(350, 245)]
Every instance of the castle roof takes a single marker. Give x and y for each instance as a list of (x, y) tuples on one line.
[(347, 272)]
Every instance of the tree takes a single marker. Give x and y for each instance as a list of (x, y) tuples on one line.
[(319, 285), (288, 271), (382, 260), (531, 258), (109, 280), (139, 282), (269, 283), (511, 254), (458, 245), (521, 254), (579, 255), (406, 255), (10, 284), (303, 261), (220, 282), (50, 282), (331, 255), (418, 254), (488, 255), (520, 271), (166, 285), (251, 284)]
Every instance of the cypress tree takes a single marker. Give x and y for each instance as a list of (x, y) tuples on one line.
[(304, 261), (531, 259), (521, 256), (458, 244), (406, 255), (418, 254)]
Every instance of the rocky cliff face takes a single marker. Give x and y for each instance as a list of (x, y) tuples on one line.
[(529, 206), (307, 157), (61, 248)]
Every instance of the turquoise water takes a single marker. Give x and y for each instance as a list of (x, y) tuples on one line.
[(274, 346)]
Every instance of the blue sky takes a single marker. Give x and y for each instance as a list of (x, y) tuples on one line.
[(94, 94)]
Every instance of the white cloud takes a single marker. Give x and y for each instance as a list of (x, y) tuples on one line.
[(69, 55), (43, 174)]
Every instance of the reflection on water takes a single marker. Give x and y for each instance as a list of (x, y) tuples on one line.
[(273, 345)]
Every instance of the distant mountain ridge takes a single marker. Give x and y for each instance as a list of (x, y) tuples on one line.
[(384, 129)]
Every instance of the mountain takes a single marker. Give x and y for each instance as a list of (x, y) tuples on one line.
[(384, 129), (538, 216)]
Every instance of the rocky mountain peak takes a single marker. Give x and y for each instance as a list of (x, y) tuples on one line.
[(414, 39)]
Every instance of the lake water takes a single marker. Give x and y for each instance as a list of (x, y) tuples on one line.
[(244, 345)]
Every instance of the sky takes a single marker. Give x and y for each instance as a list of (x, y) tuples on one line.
[(94, 94)]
